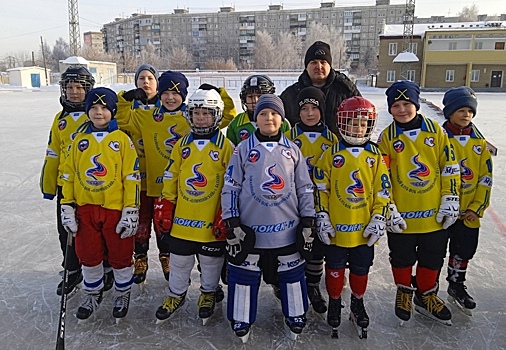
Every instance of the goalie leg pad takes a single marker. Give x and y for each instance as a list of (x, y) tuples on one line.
[(243, 286), (292, 284)]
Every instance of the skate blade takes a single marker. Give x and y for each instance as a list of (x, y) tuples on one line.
[(158, 321), (118, 320), (335, 333), (425, 313), (73, 292), (362, 332), (142, 287), (454, 302), (293, 336), (205, 320), (245, 338)]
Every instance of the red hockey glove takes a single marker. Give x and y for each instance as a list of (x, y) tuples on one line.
[(219, 228), (164, 214)]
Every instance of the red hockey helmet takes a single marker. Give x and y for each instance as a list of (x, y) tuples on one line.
[(356, 119)]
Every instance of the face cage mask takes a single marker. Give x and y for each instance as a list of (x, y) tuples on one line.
[(63, 92), (216, 115), (346, 117)]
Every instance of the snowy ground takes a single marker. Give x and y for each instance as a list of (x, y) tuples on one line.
[(30, 261)]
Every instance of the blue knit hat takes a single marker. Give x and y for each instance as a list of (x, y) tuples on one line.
[(173, 81), (103, 96), (403, 90), (269, 101), (459, 97), (147, 67)]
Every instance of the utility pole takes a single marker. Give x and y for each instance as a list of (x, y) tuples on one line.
[(74, 34), (44, 59)]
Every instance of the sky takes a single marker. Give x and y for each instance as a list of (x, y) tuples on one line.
[(22, 23)]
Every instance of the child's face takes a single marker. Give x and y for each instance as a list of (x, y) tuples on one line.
[(99, 115), (202, 118), (75, 92), (171, 100), (462, 117), (310, 114), (403, 111), (269, 122), (251, 101), (147, 82), (356, 127)]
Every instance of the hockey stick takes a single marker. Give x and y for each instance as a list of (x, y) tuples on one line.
[(60, 338)]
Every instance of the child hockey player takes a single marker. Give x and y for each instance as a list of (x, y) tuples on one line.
[(188, 212), (313, 137), (476, 181), (425, 178), (100, 202), (242, 126), (267, 194), (74, 84), (352, 201)]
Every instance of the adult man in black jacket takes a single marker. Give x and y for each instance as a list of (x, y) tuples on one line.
[(319, 73)]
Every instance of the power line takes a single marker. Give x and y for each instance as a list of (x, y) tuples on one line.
[(36, 32)]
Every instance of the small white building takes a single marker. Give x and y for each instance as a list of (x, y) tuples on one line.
[(105, 73), (29, 77)]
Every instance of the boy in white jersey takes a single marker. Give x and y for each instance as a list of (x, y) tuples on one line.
[(188, 211), (100, 204), (475, 162)]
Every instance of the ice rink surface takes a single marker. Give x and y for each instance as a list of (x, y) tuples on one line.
[(30, 261)]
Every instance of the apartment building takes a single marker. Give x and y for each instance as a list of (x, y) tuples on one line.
[(95, 40), (230, 34)]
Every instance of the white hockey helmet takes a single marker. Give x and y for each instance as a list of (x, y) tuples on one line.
[(209, 99), (351, 112)]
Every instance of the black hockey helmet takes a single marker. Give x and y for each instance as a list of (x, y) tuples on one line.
[(78, 74), (256, 84)]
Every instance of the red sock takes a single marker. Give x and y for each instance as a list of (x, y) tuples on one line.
[(358, 284), (402, 275), (425, 279), (334, 279)]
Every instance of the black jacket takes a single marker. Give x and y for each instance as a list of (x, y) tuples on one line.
[(337, 88)]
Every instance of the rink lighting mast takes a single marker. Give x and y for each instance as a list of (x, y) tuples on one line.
[(407, 56), (74, 34)]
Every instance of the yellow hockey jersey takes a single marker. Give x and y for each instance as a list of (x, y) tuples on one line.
[(352, 184), (102, 169), (63, 131), (475, 164), (193, 180), (423, 167)]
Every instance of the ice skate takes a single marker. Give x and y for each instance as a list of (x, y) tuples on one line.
[(165, 262), (140, 270), (242, 330), (295, 325), (316, 299), (359, 317), (169, 307), (219, 295), (108, 280), (458, 296), (206, 306), (334, 315), (121, 303), (89, 305), (404, 303), (74, 279), (430, 305)]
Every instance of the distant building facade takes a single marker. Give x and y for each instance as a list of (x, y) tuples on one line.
[(95, 40)]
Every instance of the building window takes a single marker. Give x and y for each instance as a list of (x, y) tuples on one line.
[(450, 76), (478, 45), (475, 75), (392, 49), (411, 75), (452, 45), (413, 47), (499, 45), (390, 76)]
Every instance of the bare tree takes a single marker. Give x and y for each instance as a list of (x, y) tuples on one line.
[(468, 13), (370, 58), (287, 52), (220, 64), (149, 55), (332, 36), (61, 50), (180, 58), (47, 55), (265, 50)]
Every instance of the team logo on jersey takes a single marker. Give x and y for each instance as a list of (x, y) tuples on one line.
[(253, 156), (398, 146), (197, 181), (421, 170), (477, 149), (429, 141), (185, 153), (309, 165), (286, 153), (243, 134), (215, 155), (114, 145), (466, 174), (356, 188), (83, 145), (62, 124), (298, 143), (157, 117), (276, 183), (175, 136), (98, 170), (338, 161), (370, 161)]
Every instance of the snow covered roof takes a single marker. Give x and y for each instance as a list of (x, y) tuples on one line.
[(27, 68), (421, 28), (74, 60)]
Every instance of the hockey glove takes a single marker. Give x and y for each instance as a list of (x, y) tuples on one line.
[(240, 241), (395, 222), (164, 214), (68, 219), (324, 227), (219, 228), (448, 210), (305, 237), (207, 86), (375, 229), (136, 94), (128, 223)]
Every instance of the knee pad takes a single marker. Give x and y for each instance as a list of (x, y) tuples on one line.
[(243, 285), (292, 285)]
